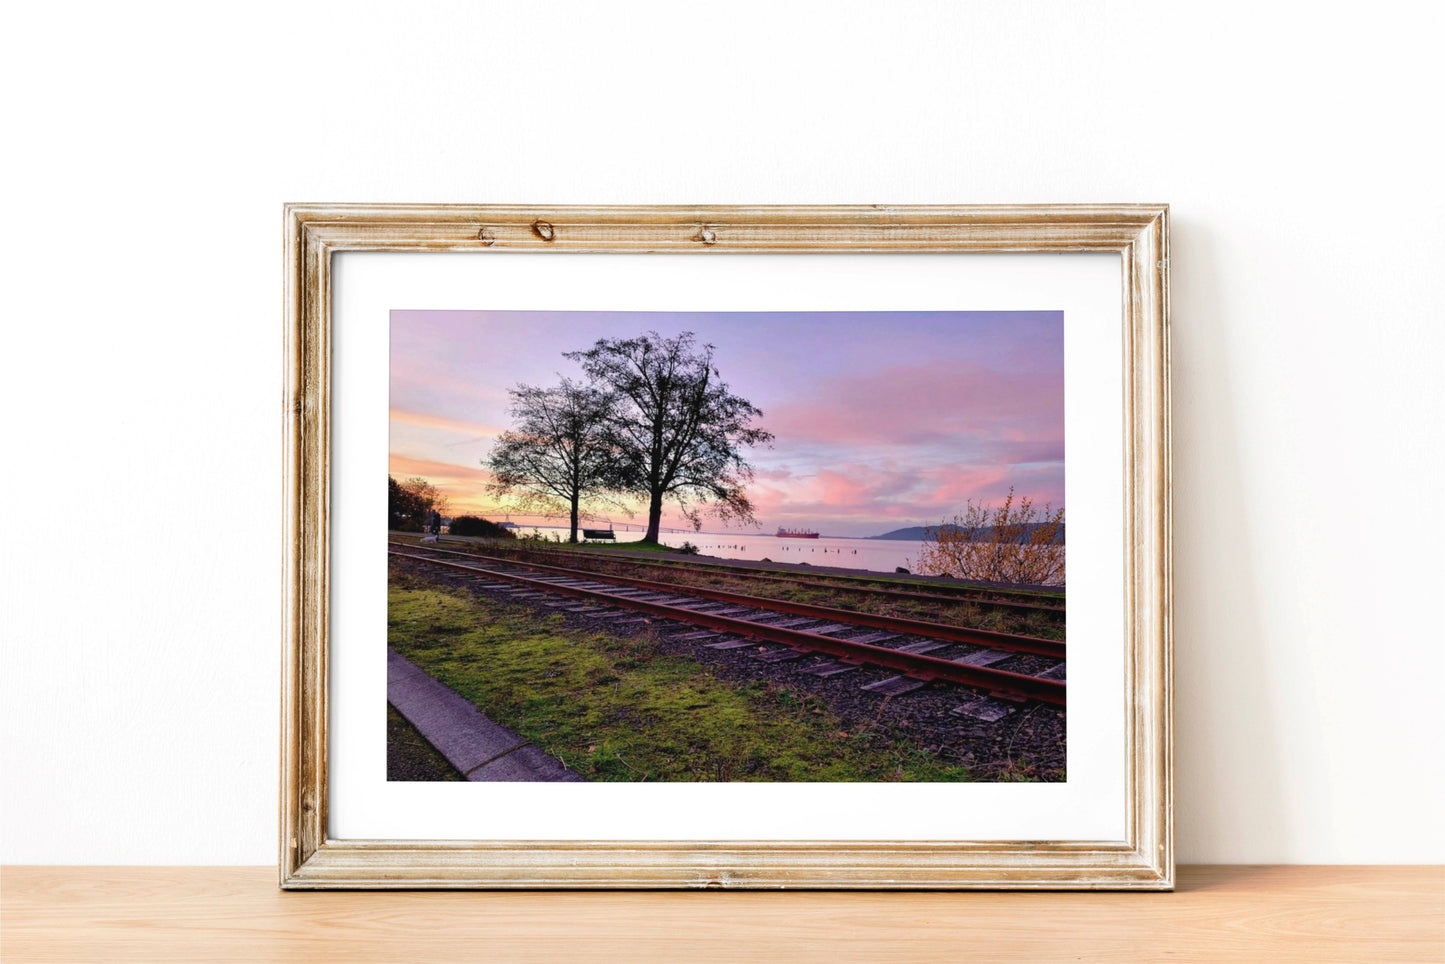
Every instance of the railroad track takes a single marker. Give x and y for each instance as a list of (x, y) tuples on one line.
[(983, 597), (919, 651)]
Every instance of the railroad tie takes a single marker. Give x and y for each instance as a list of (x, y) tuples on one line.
[(895, 685), (831, 667), (733, 643), (779, 655), (828, 629), (873, 638), (786, 623), (984, 657)]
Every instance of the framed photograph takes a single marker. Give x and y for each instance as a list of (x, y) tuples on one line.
[(727, 547)]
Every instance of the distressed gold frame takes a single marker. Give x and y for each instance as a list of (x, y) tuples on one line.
[(309, 859)]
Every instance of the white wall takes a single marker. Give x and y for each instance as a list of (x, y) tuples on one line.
[(152, 148)]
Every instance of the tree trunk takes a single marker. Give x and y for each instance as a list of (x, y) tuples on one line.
[(573, 536), (654, 519)]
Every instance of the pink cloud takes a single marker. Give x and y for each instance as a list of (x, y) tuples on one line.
[(463, 486), (861, 493), (949, 494), (928, 402), (476, 429)]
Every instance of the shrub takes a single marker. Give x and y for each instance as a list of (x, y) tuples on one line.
[(1015, 543), (688, 549), (471, 525)]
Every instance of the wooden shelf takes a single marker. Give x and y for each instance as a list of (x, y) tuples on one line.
[(1228, 913)]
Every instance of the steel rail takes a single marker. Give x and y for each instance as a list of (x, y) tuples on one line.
[(946, 594), (918, 666), (953, 597), (1053, 648)]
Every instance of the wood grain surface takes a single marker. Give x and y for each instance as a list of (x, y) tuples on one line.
[(1274, 914)]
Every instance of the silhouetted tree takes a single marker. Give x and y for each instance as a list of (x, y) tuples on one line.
[(679, 430), (559, 450), (411, 503)]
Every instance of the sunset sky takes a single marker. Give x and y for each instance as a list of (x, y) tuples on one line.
[(882, 419)]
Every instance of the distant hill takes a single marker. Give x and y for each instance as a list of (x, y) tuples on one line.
[(916, 533)]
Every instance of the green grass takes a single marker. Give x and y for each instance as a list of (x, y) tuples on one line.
[(639, 546), (615, 708)]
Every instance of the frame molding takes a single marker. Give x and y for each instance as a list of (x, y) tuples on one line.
[(309, 859)]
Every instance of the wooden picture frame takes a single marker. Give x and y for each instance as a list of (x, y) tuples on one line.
[(1137, 233)]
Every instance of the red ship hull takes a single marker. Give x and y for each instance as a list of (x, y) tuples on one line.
[(796, 534)]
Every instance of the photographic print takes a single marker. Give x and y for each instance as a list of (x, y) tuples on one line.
[(726, 546)]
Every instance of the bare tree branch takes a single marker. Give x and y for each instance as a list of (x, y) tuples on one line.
[(679, 430), (560, 449)]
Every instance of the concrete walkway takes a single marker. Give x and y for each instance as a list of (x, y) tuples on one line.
[(479, 749)]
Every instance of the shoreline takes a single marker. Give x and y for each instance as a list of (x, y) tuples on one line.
[(758, 564)]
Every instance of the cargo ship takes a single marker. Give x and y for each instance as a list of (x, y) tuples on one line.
[(797, 534)]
